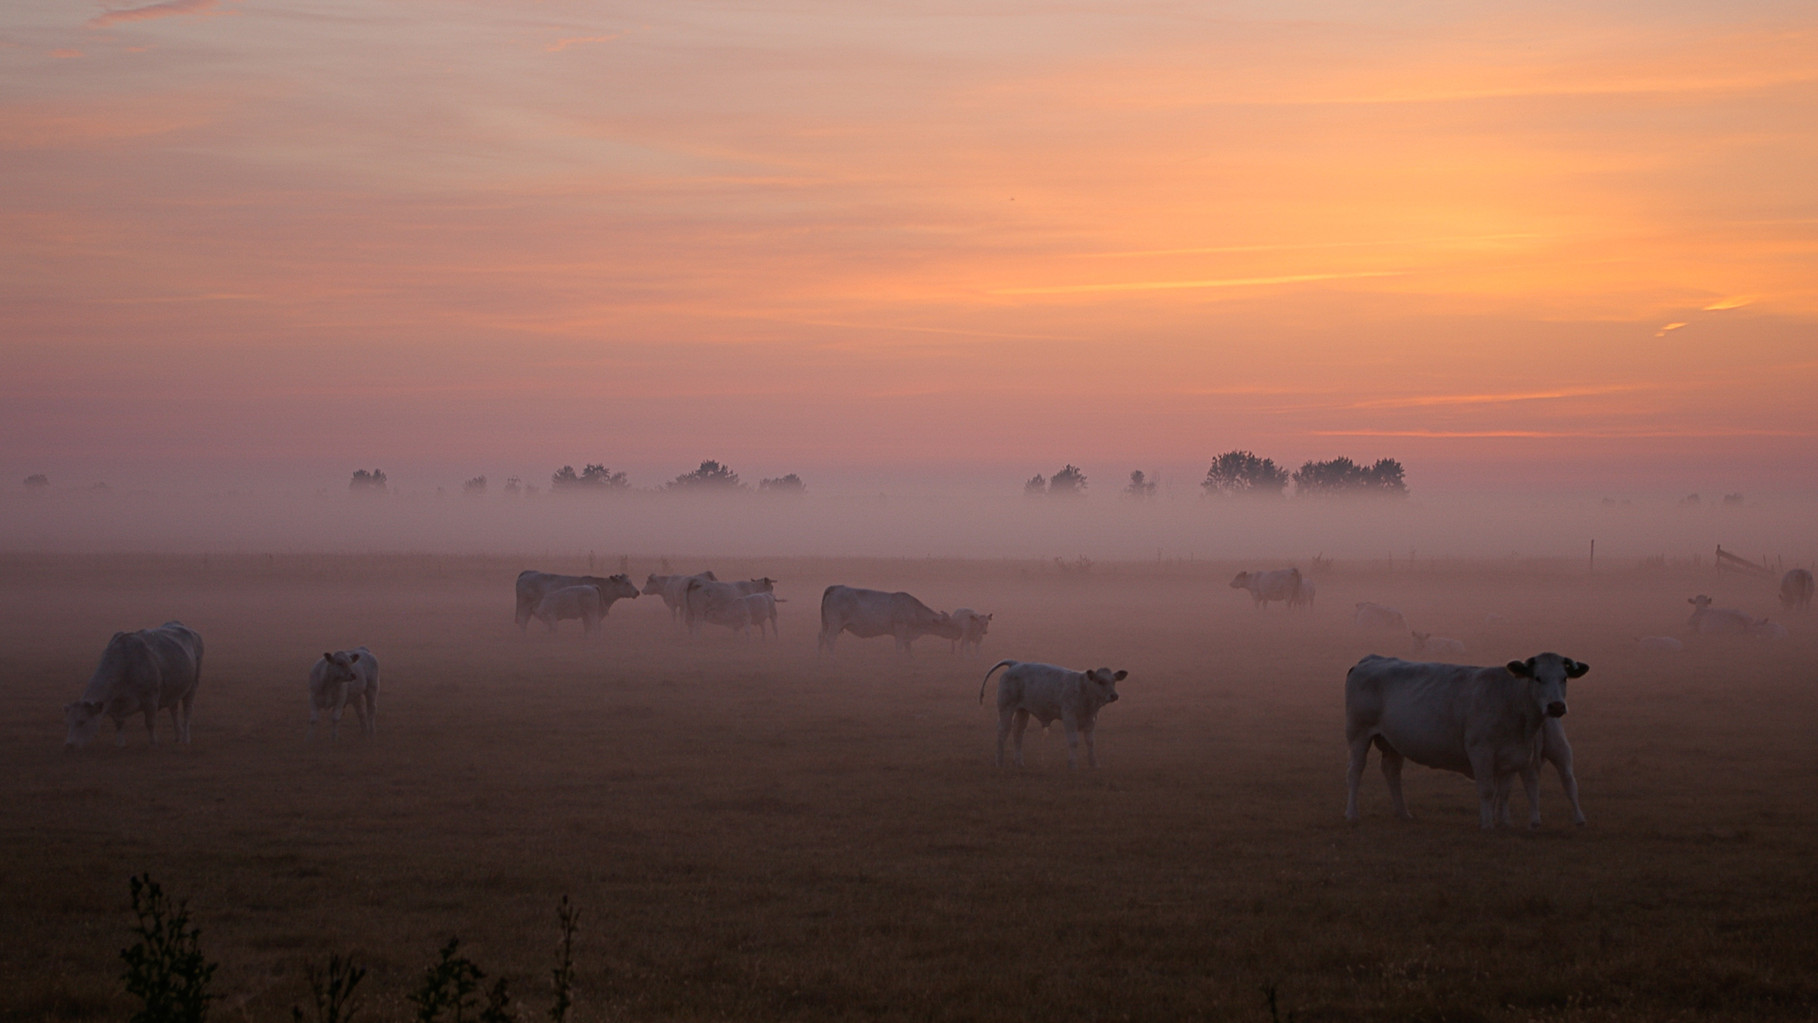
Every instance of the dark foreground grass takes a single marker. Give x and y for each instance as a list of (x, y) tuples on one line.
[(751, 833)]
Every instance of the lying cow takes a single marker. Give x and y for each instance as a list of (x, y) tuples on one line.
[(1488, 724), (1717, 621), (672, 588), (1046, 692), (973, 627), (1370, 615), (140, 673), (712, 602), (870, 613), (533, 586), (341, 679), (1427, 643), (1796, 590), (1659, 645), (570, 603), (1281, 584)]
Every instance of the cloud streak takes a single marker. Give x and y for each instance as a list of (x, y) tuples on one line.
[(168, 9), (1227, 282)]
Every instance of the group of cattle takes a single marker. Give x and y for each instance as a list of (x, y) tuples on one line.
[(1491, 724)]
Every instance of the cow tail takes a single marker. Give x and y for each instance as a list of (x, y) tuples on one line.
[(987, 678)]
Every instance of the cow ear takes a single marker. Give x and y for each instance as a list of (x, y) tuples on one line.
[(1576, 669), (355, 659), (1120, 676), (1691, 600), (328, 657), (1522, 669)]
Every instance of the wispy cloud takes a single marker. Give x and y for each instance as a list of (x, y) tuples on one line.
[(1298, 246), (1669, 328), (562, 44), (1563, 434), (170, 8), (1226, 282), (1431, 400), (1736, 302)]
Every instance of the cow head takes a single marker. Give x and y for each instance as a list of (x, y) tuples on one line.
[(616, 586), (340, 667), (765, 585), (1104, 683), (944, 625), (1242, 580), (1700, 602), (1548, 673), (653, 586), (83, 718)]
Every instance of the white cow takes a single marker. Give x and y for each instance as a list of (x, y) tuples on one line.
[(342, 678), (740, 613), (1303, 597), (1046, 692), (1280, 584), (570, 603), (1765, 629), (1659, 645), (1370, 615), (672, 588), (532, 586), (140, 672), (1717, 621), (870, 613), (710, 601), (1796, 590), (1488, 724), (1427, 643), (973, 627)]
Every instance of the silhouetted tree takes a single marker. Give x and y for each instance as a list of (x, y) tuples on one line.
[(1343, 476), (514, 486), (593, 477), (474, 487), (790, 484), (1240, 472), (710, 477), (37, 481), (1068, 482), (1036, 486), (364, 482), (1140, 487)]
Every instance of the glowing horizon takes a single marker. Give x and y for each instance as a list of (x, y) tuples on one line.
[(1567, 241)]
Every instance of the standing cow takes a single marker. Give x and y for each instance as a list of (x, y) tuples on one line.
[(1488, 724), (973, 627), (140, 673), (1046, 692), (712, 602), (1796, 590), (870, 613), (570, 603), (1281, 584), (533, 586), (672, 588), (341, 679)]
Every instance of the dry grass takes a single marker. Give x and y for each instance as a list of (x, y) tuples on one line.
[(751, 833)]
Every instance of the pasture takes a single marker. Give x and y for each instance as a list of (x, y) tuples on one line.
[(755, 833)]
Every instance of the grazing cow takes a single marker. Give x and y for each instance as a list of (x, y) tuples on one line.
[(740, 613), (1303, 597), (1487, 724), (1765, 629), (1280, 584), (1427, 643), (870, 613), (140, 673), (342, 678), (533, 586), (1659, 645), (672, 588), (570, 603), (1046, 692), (1370, 615), (973, 627), (1717, 621), (1796, 590), (709, 601)]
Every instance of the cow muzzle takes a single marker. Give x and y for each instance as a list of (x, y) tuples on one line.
[(1556, 709)]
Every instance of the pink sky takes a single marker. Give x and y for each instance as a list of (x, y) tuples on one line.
[(1507, 244)]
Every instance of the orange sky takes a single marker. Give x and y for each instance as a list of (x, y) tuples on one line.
[(1501, 242)]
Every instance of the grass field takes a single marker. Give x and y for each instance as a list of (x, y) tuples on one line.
[(752, 833)]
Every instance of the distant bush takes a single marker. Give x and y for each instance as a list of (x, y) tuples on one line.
[(514, 486), (1141, 487), (1342, 476), (709, 478), (592, 478), (364, 482), (332, 989), (1068, 482), (166, 969), (475, 487), (1241, 473), (37, 481), (790, 484), (1036, 486)]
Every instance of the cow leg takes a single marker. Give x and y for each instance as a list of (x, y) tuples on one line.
[(1530, 785), (359, 706), (1091, 751), (1556, 749), (1360, 756), (1071, 728), (151, 724), (189, 713), (372, 712), (1021, 723), (1391, 772), (176, 721), (1483, 769), (314, 713)]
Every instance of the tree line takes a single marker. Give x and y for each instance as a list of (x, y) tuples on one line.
[(595, 478), (1244, 474)]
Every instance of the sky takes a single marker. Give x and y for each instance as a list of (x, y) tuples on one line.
[(1512, 245)]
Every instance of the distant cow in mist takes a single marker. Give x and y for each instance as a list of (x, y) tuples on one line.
[(1796, 590), (569, 604), (1378, 617), (1717, 621), (1046, 692), (1488, 724), (871, 613), (140, 672), (1442, 646), (341, 679), (532, 586), (1304, 593), (1281, 584), (672, 588), (718, 603)]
